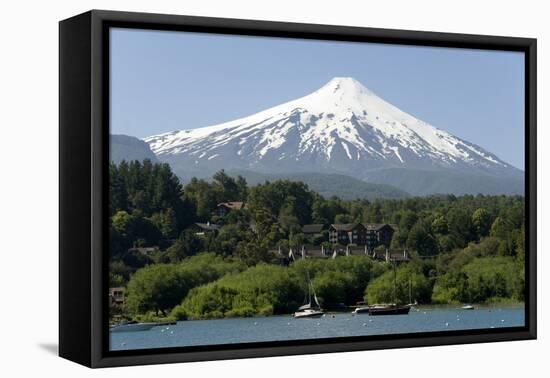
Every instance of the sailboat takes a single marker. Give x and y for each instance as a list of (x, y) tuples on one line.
[(392, 308), (310, 309), (413, 305)]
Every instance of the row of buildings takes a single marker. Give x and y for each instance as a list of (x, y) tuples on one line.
[(370, 235), (304, 252)]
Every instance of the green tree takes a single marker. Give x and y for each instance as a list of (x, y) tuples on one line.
[(134, 230), (447, 243), (501, 228), (155, 288), (227, 187), (421, 240), (263, 289), (373, 214), (324, 211), (408, 220), (343, 218), (481, 220), (159, 287), (460, 226), (117, 189), (399, 239), (242, 188), (203, 196), (440, 225), (390, 287), (253, 252), (188, 244), (294, 197), (166, 222)]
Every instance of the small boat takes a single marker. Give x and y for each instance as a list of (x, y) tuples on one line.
[(467, 307), (361, 310), (308, 313), (310, 310), (133, 326), (393, 308), (389, 309)]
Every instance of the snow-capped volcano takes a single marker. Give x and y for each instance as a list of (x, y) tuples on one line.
[(342, 127)]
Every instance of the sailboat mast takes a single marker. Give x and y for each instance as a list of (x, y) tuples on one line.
[(394, 283), (309, 293), (410, 289), (311, 289)]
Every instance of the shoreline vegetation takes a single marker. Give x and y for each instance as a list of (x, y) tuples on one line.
[(466, 249)]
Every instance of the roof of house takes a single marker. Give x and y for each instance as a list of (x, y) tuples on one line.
[(394, 255), (312, 228), (317, 251), (378, 226), (344, 226), (233, 205), (356, 250), (142, 249), (208, 226), (310, 252)]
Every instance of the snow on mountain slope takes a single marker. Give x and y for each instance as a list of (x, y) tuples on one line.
[(342, 127)]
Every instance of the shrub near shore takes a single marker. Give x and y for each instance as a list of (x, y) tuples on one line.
[(270, 289), (209, 286), (160, 287)]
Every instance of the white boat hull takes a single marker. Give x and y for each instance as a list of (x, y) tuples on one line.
[(361, 310), (308, 314)]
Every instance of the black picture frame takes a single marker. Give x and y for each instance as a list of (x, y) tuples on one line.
[(83, 181)]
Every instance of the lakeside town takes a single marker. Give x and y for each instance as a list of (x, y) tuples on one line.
[(220, 248)]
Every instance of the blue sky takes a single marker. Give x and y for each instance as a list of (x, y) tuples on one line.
[(163, 81)]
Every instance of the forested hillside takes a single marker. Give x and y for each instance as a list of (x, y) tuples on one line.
[(464, 249)]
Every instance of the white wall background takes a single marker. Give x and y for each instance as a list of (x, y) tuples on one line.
[(29, 188)]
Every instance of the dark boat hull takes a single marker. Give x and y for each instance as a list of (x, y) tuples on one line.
[(397, 310)]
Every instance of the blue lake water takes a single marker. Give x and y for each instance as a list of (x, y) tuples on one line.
[(279, 328)]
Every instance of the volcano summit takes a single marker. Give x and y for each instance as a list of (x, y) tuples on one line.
[(342, 128)]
